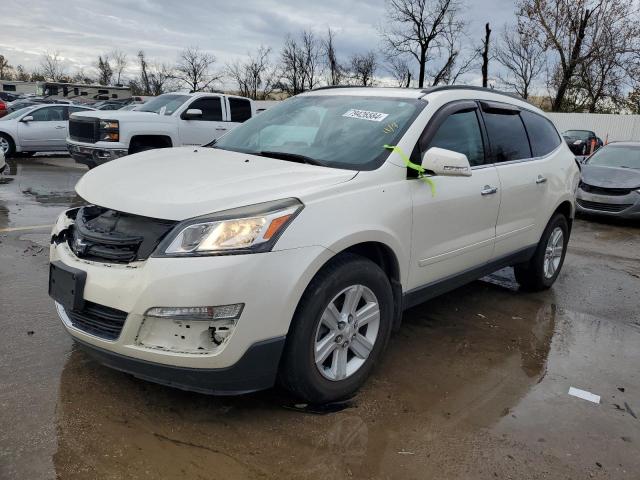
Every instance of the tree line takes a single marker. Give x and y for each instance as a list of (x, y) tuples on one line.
[(566, 55)]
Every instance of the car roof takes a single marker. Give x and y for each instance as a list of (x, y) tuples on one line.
[(453, 91), (623, 144)]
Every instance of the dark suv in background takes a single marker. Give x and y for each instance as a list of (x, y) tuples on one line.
[(579, 141)]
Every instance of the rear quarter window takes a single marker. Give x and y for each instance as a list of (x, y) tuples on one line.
[(240, 109), (543, 136), (507, 137)]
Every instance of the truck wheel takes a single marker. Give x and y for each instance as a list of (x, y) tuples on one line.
[(541, 271), (339, 331), (7, 145)]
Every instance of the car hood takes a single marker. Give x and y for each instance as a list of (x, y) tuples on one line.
[(182, 183), (610, 177), (127, 115)]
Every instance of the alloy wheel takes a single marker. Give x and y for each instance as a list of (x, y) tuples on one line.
[(347, 332), (553, 252)]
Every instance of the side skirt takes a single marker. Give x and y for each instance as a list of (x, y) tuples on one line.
[(427, 292)]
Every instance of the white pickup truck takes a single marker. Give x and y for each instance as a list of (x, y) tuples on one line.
[(169, 120)]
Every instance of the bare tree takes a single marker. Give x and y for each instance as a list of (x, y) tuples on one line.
[(362, 68), (6, 70), (105, 72), (144, 85), (52, 66), (485, 55), (21, 74), (334, 69), (453, 60), (255, 78), (81, 77), (162, 78), (399, 69), (299, 63), (120, 63), (522, 57), (416, 27), (194, 69)]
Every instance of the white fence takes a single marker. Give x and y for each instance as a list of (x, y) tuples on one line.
[(611, 127)]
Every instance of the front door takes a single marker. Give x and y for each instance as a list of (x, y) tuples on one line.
[(454, 229), (47, 131), (202, 130)]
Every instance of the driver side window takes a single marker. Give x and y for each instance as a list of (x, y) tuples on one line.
[(460, 132), (211, 108)]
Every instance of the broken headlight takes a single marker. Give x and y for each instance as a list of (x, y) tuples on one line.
[(251, 229)]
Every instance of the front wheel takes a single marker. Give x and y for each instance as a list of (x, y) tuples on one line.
[(339, 331), (6, 145), (543, 269)]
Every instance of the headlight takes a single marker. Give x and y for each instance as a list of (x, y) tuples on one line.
[(251, 229), (109, 130)]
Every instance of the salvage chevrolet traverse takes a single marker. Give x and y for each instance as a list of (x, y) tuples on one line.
[(288, 250)]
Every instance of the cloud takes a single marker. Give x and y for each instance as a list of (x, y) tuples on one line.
[(83, 29)]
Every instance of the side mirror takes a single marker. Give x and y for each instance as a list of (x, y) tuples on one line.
[(192, 114), (27, 119), (446, 162)]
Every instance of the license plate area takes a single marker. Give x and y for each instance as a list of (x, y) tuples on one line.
[(66, 285)]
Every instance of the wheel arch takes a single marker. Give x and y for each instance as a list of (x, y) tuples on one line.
[(156, 141), (11, 139)]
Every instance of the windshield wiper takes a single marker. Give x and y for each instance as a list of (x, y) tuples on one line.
[(294, 157)]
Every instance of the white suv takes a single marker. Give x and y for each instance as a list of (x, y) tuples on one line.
[(289, 250)]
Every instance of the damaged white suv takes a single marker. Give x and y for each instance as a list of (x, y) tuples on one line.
[(288, 250)]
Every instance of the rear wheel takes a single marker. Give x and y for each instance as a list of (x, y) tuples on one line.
[(544, 267), (6, 145), (339, 331)]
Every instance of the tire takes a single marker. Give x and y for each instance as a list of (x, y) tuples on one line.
[(541, 271), (350, 275), (6, 143), (140, 148)]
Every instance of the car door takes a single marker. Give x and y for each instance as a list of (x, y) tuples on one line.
[(47, 131), (454, 228), (209, 126), (522, 178), (239, 110)]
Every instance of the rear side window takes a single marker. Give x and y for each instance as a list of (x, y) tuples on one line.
[(543, 136), (460, 132), (507, 137), (211, 108), (240, 109)]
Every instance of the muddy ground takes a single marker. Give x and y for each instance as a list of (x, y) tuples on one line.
[(474, 386)]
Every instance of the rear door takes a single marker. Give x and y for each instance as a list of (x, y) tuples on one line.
[(523, 176), (47, 131), (199, 131), (238, 110), (454, 229)]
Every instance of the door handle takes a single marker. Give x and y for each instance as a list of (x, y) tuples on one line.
[(221, 129), (541, 179), (488, 190), (60, 127)]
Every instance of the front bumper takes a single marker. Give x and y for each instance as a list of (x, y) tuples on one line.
[(256, 370), (269, 284), (620, 206), (92, 155)]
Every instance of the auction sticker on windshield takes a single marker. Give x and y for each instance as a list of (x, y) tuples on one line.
[(365, 115)]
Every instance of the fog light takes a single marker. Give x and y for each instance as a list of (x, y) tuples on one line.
[(198, 330), (197, 313)]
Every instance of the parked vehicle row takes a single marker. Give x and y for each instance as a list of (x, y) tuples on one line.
[(288, 251), (36, 128), (169, 120)]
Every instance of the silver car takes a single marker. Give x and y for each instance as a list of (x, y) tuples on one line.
[(610, 182), (36, 128)]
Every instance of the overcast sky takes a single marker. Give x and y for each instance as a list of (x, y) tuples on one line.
[(82, 29)]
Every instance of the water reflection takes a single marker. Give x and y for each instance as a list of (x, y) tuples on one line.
[(448, 374)]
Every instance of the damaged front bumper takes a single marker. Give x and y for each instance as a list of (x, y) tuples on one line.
[(92, 155), (113, 322)]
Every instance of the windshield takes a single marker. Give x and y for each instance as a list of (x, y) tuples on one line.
[(337, 131), (581, 134), (17, 113), (164, 104), (621, 156)]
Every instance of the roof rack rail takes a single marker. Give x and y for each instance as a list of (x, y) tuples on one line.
[(439, 88), (329, 87)]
